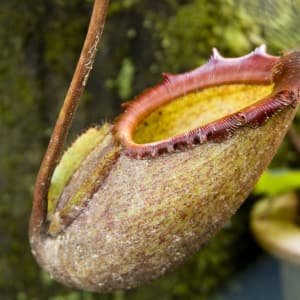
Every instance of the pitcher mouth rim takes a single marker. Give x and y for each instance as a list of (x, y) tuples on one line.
[(253, 68)]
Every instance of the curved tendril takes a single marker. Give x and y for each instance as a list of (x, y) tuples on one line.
[(65, 118)]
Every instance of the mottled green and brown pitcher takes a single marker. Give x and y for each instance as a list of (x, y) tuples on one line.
[(132, 199)]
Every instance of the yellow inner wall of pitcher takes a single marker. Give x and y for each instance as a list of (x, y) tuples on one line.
[(197, 109)]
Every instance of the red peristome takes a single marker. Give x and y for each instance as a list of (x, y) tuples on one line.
[(287, 71), (254, 68)]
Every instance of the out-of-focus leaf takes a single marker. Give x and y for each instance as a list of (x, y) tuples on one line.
[(274, 182)]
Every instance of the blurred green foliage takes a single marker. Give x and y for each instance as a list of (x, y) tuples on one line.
[(279, 20), (278, 181), (39, 44)]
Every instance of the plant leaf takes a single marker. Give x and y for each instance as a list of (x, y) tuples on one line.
[(278, 181)]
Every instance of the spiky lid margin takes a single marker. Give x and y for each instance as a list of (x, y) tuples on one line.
[(257, 67)]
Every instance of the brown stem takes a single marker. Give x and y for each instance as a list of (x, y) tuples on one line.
[(64, 121), (294, 138)]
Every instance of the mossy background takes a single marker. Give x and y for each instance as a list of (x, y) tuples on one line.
[(39, 45)]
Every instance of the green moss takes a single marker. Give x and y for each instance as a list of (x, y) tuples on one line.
[(279, 20), (124, 80), (208, 24)]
